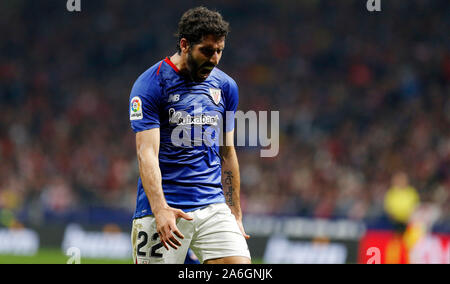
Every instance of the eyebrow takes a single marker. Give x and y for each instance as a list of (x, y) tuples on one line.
[(210, 48)]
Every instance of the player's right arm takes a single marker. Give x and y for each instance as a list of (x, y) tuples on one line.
[(147, 147)]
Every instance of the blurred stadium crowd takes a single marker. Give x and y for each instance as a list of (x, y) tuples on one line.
[(361, 96)]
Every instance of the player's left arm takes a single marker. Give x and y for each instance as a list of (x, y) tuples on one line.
[(231, 181)]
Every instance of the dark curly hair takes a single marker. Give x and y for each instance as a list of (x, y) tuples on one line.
[(198, 22)]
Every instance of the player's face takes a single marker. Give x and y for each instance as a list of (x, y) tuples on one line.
[(204, 56)]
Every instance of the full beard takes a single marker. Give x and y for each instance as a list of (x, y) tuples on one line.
[(198, 72)]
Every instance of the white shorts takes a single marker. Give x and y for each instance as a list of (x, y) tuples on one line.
[(213, 233)]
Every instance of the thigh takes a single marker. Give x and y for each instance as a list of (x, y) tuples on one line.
[(217, 235), (147, 247)]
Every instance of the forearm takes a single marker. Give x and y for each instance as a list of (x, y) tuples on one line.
[(231, 181), (151, 179)]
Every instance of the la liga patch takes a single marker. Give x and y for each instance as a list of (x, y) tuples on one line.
[(136, 108)]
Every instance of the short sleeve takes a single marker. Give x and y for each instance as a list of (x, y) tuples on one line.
[(231, 102), (144, 104)]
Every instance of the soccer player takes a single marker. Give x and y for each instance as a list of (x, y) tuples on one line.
[(188, 189)]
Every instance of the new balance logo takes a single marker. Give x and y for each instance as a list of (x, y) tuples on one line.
[(173, 98)]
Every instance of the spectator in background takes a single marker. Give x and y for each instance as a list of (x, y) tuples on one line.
[(400, 201)]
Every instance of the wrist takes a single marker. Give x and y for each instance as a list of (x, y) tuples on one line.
[(158, 208)]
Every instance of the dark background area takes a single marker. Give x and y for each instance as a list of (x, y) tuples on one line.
[(361, 96)]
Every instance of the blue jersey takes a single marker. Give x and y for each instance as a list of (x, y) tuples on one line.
[(192, 117)]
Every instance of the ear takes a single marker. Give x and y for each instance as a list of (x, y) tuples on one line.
[(184, 45)]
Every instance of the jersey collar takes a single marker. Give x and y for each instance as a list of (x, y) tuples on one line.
[(167, 60)]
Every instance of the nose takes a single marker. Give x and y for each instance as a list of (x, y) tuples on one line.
[(215, 58)]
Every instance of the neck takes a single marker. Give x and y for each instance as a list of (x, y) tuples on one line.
[(179, 61)]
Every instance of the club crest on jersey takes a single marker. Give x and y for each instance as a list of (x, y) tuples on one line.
[(215, 95), (136, 108)]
